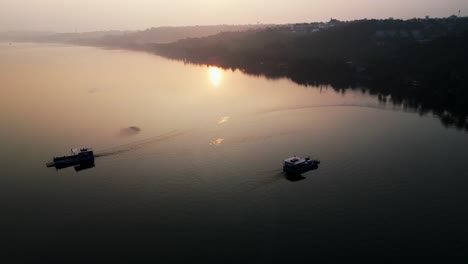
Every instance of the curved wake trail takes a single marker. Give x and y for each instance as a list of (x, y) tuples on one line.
[(300, 107), (267, 179), (140, 144)]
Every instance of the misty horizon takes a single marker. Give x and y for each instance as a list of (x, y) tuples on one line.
[(215, 25), (84, 16)]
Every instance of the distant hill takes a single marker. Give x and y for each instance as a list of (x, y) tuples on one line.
[(35, 36), (421, 64), (23, 36), (172, 34), (126, 39)]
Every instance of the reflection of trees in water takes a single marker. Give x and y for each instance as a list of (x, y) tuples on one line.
[(425, 75), (449, 101), (449, 104)]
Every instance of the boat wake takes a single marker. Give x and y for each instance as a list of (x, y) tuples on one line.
[(140, 144), (248, 139), (301, 107), (263, 180)]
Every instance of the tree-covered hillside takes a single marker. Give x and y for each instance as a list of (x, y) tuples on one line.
[(420, 63)]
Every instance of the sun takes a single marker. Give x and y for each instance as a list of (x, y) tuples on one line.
[(215, 75)]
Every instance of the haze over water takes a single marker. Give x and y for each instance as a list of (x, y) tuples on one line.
[(85, 15), (201, 178)]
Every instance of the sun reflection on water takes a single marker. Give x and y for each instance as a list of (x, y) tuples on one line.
[(215, 75), (223, 120), (216, 142)]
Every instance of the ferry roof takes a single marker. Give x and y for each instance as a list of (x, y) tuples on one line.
[(79, 150), (294, 160)]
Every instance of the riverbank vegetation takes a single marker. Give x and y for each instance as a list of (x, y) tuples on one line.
[(421, 64)]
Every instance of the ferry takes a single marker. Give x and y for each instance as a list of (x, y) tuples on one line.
[(78, 157), (298, 165)]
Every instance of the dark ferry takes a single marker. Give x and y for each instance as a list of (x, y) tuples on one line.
[(298, 165), (78, 157)]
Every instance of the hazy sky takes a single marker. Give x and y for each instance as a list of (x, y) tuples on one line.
[(88, 15)]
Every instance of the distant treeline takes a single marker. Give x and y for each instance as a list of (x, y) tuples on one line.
[(421, 64), (126, 39)]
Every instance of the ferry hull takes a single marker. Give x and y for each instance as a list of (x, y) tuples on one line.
[(300, 170), (80, 160)]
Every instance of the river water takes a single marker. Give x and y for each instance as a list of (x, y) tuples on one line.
[(190, 165)]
